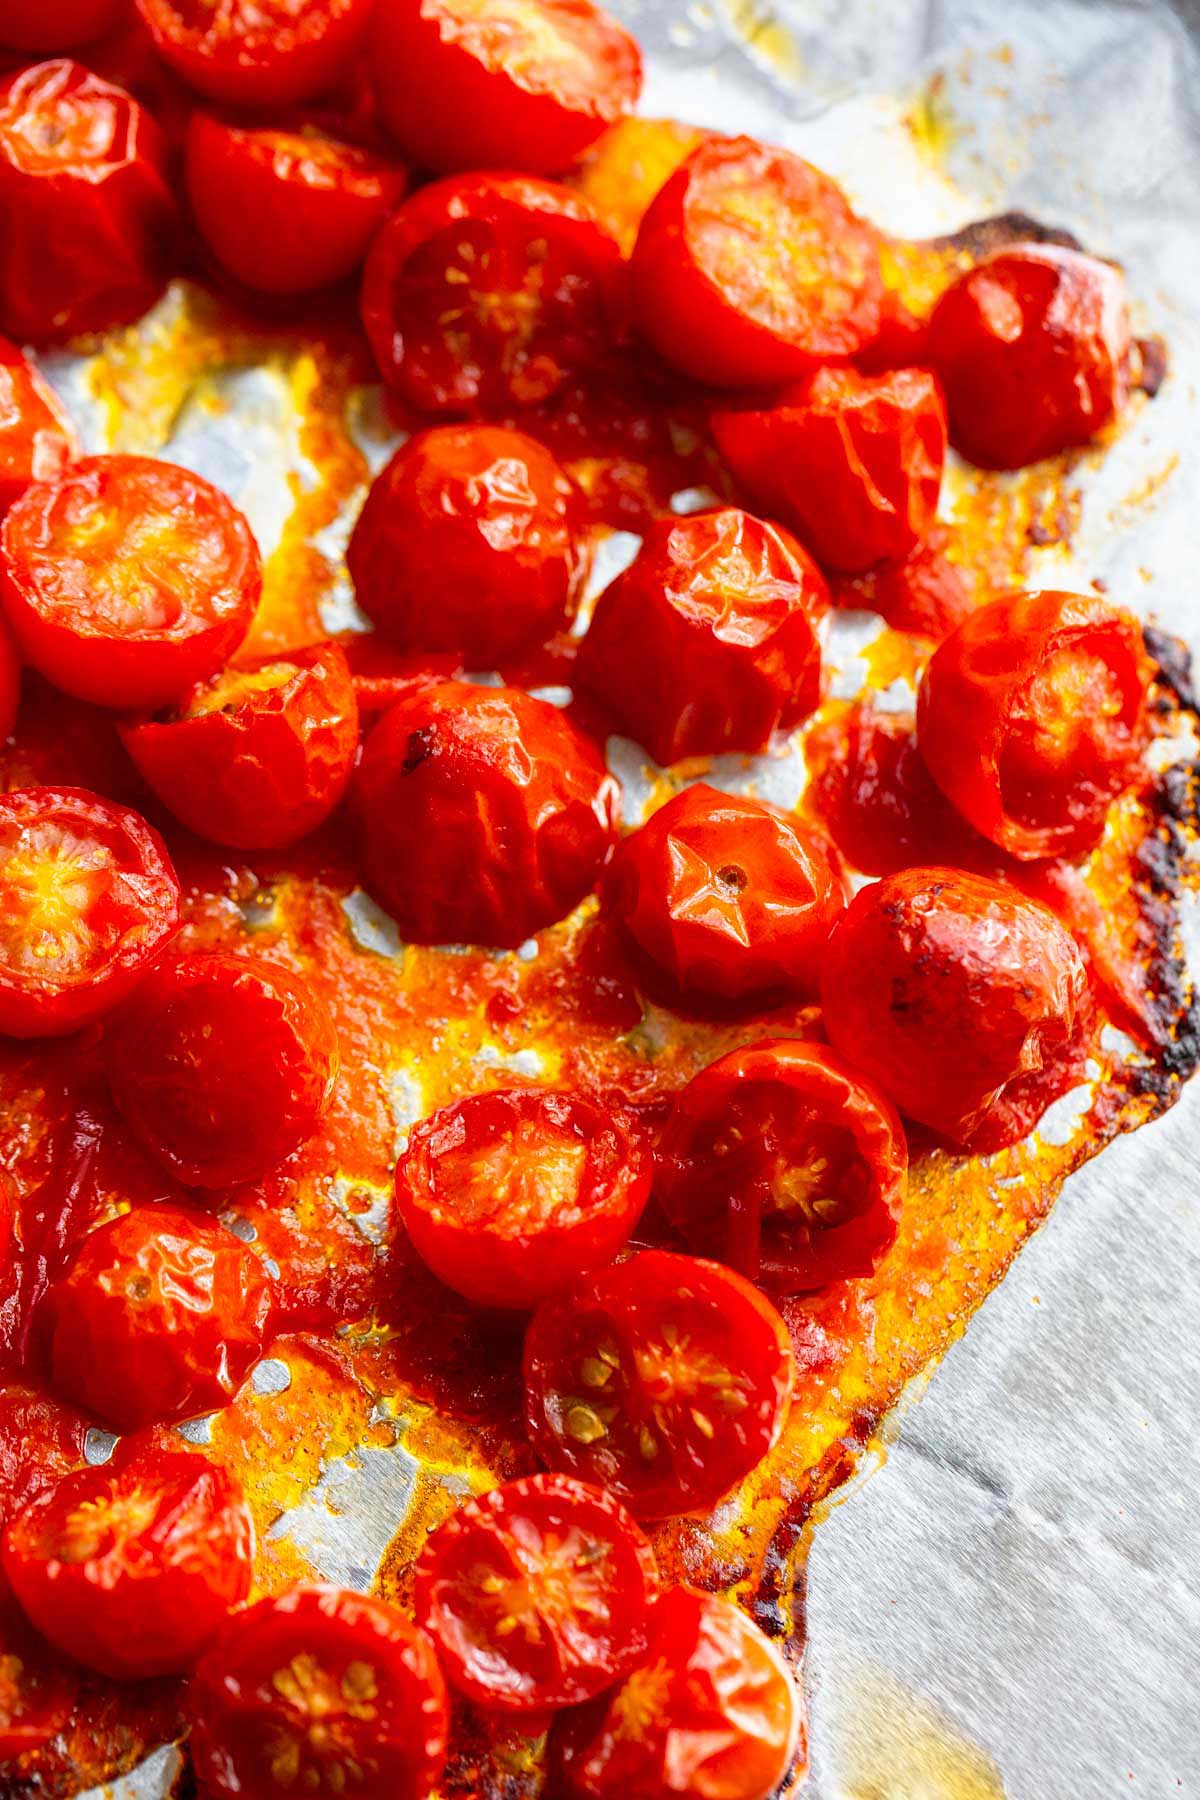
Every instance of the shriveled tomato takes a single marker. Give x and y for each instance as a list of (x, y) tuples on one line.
[(320, 1691), (30, 1416), (1031, 718), (128, 579), (750, 267), (32, 25), (483, 815), (665, 1379), (258, 756), (485, 292), (1032, 346), (131, 1568), (37, 440), (37, 1688), (708, 641), (257, 52), (88, 901), (925, 594), (10, 684), (472, 541), (160, 1317)]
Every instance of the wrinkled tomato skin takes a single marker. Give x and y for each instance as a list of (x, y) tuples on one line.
[(736, 1175), (30, 25), (851, 462), (483, 815), (566, 1183), (37, 440), (252, 765), (160, 1317), (708, 641), (1032, 347), (535, 1537), (966, 1002), (89, 217), (982, 727), (39, 1690), (131, 1568), (703, 254), (30, 1416), (314, 1688), (292, 50), (221, 1065), (471, 541), (925, 594)]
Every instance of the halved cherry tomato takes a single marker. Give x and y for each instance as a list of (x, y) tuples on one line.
[(485, 292), (221, 1065), (131, 1568), (128, 579), (32, 25), (37, 440), (967, 1003), (287, 211), (665, 1379), (925, 594), (88, 901), (783, 1161), (160, 1317), (320, 1691), (1031, 718), (1032, 346), (483, 815), (37, 1688), (750, 267), (709, 1713), (257, 52), (10, 684), (708, 641), (511, 84), (511, 1196), (258, 756)]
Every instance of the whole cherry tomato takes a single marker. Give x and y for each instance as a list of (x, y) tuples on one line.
[(483, 815), (783, 1161), (257, 52), (511, 1196), (665, 1379), (32, 25), (87, 207), (221, 1065), (37, 1688), (10, 684), (1032, 346), (853, 463), (709, 1713), (708, 641), (128, 579), (88, 901), (925, 594), (258, 756), (471, 540), (37, 440), (967, 1003), (319, 1691), (513, 84), (750, 267), (131, 1568), (1031, 718), (538, 1594), (485, 292), (160, 1317)]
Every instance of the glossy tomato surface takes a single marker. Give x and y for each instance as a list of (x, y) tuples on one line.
[(924, 594), (37, 1688), (32, 25), (257, 52), (37, 440)]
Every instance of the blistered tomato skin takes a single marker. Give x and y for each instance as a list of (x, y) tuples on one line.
[(708, 641), (29, 25), (37, 440), (132, 1567), (1032, 347), (257, 53), (39, 1690)]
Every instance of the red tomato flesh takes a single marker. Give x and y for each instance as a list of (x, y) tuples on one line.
[(37, 440), (257, 52)]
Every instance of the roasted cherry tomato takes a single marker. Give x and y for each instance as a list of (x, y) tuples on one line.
[(750, 267), (511, 84), (10, 688), (221, 1065), (925, 594), (37, 1688), (32, 25), (709, 1713), (257, 52), (128, 579), (1032, 346), (131, 1568), (1031, 718), (708, 641), (160, 1317), (665, 1379), (320, 1691), (88, 900), (287, 211), (483, 815), (786, 1163), (968, 1003), (87, 208), (31, 1416), (511, 1196), (37, 440), (853, 463), (258, 756), (485, 292), (471, 540)]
